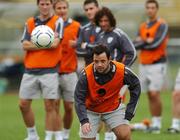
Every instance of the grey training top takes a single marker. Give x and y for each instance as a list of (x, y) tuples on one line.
[(121, 47), (88, 34)]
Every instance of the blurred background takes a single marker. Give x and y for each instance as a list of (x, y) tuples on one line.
[(129, 14)]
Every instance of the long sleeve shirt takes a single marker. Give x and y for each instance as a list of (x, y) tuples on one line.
[(88, 35), (159, 37), (120, 45), (59, 28), (81, 92)]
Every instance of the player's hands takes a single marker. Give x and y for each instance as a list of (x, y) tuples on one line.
[(72, 43), (56, 35), (83, 45), (86, 128)]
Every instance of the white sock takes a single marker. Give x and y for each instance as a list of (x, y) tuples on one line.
[(97, 136), (66, 133), (109, 136), (58, 135), (49, 135), (176, 123), (156, 122), (114, 136), (32, 132)]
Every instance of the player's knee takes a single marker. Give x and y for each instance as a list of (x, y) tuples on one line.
[(50, 106), (57, 106), (24, 106), (123, 132), (124, 136), (154, 96), (176, 95), (69, 108)]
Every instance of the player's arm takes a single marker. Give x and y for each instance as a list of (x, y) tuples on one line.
[(80, 97), (73, 42), (83, 47), (55, 43), (26, 41), (134, 87), (58, 33), (29, 46), (159, 37), (92, 45), (80, 39), (95, 43), (80, 51), (98, 35), (128, 49), (139, 43), (81, 43)]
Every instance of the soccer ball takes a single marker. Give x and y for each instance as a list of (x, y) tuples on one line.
[(42, 36)]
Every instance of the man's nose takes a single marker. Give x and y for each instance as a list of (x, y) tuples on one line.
[(45, 6), (99, 64), (88, 11), (102, 23)]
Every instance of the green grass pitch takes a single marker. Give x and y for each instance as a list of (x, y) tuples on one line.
[(12, 127)]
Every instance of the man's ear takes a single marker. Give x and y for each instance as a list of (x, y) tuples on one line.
[(110, 58)]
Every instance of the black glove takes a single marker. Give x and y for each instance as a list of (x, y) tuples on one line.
[(128, 116)]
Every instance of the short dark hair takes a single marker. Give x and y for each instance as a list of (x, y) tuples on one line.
[(105, 12), (39, 0), (153, 1), (91, 1), (101, 49)]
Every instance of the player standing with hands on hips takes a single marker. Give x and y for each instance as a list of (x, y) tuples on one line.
[(41, 72)]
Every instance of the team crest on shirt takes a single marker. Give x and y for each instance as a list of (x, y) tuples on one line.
[(109, 40), (98, 29)]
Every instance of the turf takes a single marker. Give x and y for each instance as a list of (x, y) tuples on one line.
[(12, 127)]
